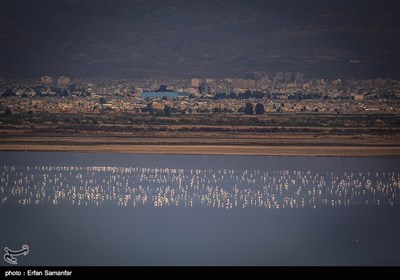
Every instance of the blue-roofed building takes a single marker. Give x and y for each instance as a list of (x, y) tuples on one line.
[(162, 94)]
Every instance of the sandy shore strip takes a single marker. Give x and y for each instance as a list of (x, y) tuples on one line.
[(293, 150)]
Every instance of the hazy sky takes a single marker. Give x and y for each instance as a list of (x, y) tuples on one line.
[(179, 39)]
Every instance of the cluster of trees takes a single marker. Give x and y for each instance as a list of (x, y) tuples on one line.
[(167, 111), (249, 109), (8, 93)]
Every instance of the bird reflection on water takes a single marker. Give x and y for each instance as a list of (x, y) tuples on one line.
[(217, 188)]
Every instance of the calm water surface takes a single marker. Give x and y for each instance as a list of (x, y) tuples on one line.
[(115, 209)]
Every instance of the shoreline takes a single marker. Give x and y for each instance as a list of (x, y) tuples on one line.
[(267, 135), (289, 150), (209, 144)]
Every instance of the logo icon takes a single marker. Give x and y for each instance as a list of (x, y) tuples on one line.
[(10, 255)]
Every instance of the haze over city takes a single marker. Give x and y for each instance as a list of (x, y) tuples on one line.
[(204, 39)]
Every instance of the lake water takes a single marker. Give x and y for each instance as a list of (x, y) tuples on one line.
[(116, 209)]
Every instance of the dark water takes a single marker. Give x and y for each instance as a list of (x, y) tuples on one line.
[(113, 209)]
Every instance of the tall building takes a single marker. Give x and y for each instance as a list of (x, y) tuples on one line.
[(46, 80), (255, 75), (299, 77), (288, 77), (380, 82), (63, 81), (205, 89), (279, 77), (244, 84), (195, 82), (337, 82)]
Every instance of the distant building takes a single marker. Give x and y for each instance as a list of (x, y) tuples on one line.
[(195, 82), (291, 85), (306, 86), (163, 88), (191, 90), (380, 82), (337, 82), (63, 81), (138, 91), (205, 89), (279, 77), (245, 84), (299, 77), (46, 80), (288, 77), (162, 94), (255, 75)]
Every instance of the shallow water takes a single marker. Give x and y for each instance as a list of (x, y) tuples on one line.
[(115, 209)]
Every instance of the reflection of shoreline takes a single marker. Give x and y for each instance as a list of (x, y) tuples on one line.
[(265, 150)]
